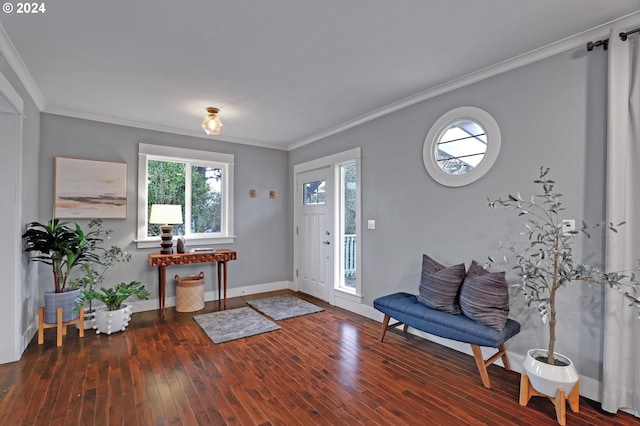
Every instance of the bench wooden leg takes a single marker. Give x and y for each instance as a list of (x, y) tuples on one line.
[(505, 357), (482, 367), (385, 324), (483, 364)]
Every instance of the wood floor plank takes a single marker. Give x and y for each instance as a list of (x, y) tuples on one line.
[(44, 416), (128, 409), (327, 368), (87, 414), (182, 403), (156, 410), (103, 406)]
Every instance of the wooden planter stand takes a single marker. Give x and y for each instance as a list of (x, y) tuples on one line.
[(59, 325), (559, 401)]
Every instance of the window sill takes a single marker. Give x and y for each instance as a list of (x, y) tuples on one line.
[(191, 242)]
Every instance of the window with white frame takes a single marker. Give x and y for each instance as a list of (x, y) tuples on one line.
[(348, 219), (461, 146), (201, 182)]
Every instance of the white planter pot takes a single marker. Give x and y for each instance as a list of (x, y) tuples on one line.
[(111, 321), (547, 379)]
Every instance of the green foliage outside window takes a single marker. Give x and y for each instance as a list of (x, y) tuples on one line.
[(166, 184), (349, 199), (206, 202)]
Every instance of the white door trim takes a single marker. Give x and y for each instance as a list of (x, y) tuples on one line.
[(12, 112), (329, 160)]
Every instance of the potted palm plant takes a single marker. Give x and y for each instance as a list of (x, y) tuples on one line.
[(545, 264), (115, 314), (64, 247)]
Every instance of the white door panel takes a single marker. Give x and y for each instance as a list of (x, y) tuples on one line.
[(310, 247), (315, 262)]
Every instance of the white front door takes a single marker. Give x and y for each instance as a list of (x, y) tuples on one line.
[(314, 274)]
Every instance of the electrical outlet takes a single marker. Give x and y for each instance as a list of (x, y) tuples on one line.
[(371, 224), (568, 225)]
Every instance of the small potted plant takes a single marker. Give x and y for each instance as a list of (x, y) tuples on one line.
[(94, 274), (545, 264), (115, 315), (64, 247)]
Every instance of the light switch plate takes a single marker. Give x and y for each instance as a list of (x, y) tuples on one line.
[(568, 225)]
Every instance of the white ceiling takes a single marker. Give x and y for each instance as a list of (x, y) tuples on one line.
[(283, 72)]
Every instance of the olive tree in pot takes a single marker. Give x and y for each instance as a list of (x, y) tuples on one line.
[(545, 264), (115, 315), (64, 247)]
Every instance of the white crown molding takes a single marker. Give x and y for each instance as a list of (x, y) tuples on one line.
[(578, 40), (157, 128), (9, 51)]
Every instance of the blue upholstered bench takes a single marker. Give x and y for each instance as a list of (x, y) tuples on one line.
[(406, 309)]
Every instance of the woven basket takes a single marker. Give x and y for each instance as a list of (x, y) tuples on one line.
[(190, 293)]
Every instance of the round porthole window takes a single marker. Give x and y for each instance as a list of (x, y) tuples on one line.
[(461, 146)]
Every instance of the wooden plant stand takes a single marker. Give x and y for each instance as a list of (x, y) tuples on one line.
[(59, 325), (559, 401)]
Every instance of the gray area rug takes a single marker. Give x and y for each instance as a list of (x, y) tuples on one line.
[(223, 326), (283, 307)]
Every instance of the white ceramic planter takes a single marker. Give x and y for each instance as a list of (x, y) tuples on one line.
[(547, 379), (111, 321)]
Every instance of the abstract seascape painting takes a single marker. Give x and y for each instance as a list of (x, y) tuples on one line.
[(89, 189)]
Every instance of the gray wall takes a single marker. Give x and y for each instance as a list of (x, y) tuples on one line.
[(550, 113), (260, 222)]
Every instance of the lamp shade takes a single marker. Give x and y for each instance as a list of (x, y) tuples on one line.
[(165, 214), (211, 123)]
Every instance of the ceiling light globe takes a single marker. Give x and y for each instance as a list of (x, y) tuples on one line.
[(211, 123)]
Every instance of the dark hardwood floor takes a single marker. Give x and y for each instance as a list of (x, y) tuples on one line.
[(326, 368)]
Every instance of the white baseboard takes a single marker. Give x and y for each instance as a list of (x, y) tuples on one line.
[(153, 304)]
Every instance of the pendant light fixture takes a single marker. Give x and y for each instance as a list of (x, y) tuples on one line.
[(211, 123)]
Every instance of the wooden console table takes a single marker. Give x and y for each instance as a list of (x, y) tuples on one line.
[(220, 257)]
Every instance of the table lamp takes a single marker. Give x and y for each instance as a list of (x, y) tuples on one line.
[(166, 215)]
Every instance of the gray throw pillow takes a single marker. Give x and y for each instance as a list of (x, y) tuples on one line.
[(439, 285), (484, 297)]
